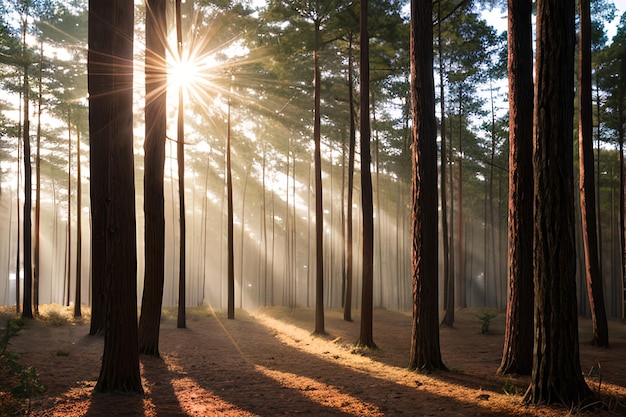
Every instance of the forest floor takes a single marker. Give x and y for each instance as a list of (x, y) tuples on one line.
[(267, 363)]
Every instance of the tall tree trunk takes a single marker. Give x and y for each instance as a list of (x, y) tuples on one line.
[(265, 254), (381, 289), (243, 235), (79, 237), (556, 374), (180, 157), (622, 223), (343, 217), (622, 186), (517, 355), (99, 149), (231, 235), (366, 337), (110, 76), (460, 246), (18, 298), (448, 280), (154, 163), (452, 254), (27, 303), (319, 219), (347, 306), (36, 268), (490, 218), (587, 182), (425, 352), (68, 261)]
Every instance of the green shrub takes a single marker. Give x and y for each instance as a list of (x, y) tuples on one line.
[(18, 384), (485, 317)]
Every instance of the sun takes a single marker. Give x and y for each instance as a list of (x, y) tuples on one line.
[(183, 73)]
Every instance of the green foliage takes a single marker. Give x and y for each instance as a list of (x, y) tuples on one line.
[(509, 388), (17, 383), (485, 316)]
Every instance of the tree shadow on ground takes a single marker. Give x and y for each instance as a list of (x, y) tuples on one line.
[(247, 367)]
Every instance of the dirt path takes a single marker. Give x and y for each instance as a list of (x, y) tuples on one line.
[(267, 364)]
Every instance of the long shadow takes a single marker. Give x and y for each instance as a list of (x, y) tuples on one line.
[(160, 390), (265, 377), (395, 350), (223, 382), (105, 405), (484, 349)]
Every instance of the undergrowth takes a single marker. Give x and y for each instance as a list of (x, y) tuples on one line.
[(18, 384)]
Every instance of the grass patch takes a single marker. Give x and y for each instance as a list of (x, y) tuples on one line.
[(58, 315)]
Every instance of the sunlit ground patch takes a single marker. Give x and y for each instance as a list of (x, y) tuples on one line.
[(323, 394), (343, 355), (195, 400)]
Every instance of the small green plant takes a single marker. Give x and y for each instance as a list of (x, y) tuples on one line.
[(17, 383), (485, 317), (509, 389)]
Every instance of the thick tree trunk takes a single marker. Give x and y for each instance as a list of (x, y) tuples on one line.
[(518, 335), (366, 337), (154, 196), (425, 352), (99, 174), (556, 374), (587, 182), (111, 120)]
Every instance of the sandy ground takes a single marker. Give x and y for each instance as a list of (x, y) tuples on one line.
[(266, 363)]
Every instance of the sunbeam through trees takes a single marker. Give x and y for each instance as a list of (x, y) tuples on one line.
[(289, 163)]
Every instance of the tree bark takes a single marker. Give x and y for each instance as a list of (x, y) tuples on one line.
[(319, 214), (99, 146), (27, 302), (366, 337), (425, 352), (347, 306), (36, 266), (460, 246), (181, 322), (230, 225), (556, 374), (79, 237), (448, 279), (518, 334), (587, 182), (154, 165), (110, 81)]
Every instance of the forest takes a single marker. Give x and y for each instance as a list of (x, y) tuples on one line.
[(355, 163)]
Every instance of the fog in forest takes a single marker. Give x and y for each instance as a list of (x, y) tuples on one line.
[(273, 185)]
